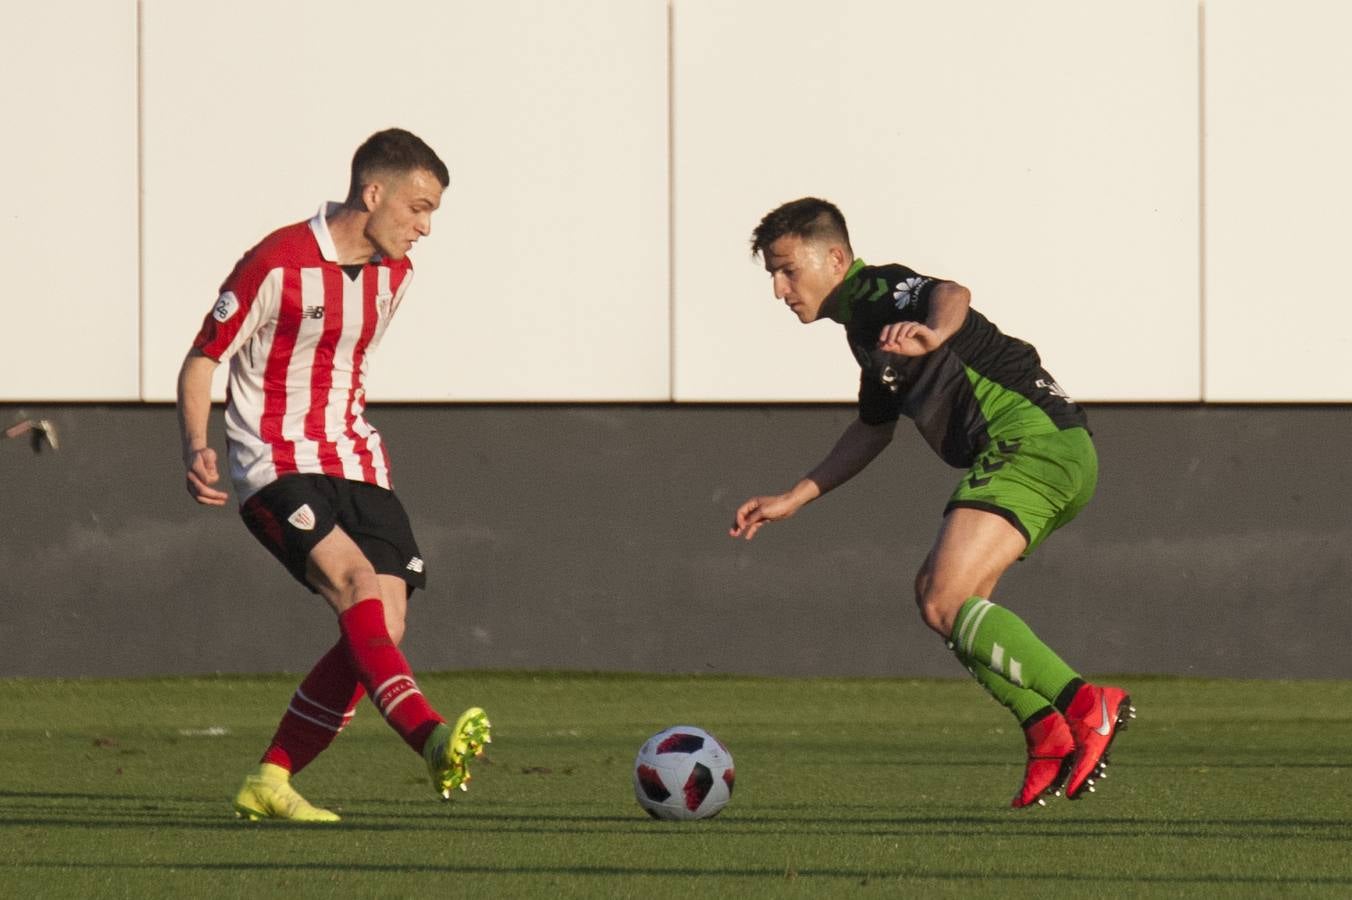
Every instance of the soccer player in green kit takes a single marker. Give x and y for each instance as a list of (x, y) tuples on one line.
[(984, 403)]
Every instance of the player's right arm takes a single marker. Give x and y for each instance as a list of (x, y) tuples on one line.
[(249, 297), (194, 412), (948, 303), (858, 446)]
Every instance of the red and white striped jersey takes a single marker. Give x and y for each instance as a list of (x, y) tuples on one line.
[(298, 330)]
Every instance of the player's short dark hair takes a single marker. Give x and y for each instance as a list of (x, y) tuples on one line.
[(393, 150), (809, 218)]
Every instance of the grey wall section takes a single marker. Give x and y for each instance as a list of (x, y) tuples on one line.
[(594, 538)]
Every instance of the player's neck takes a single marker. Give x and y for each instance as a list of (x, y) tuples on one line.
[(347, 227)]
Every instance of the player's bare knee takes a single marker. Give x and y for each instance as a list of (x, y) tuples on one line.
[(938, 610), (922, 586), (933, 604), (347, 587), (934, 618)]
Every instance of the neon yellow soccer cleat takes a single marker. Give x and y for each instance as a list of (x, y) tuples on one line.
[(448, 750), (269, 795)]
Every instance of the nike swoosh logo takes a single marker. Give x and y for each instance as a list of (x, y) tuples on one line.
[(1105, 727)]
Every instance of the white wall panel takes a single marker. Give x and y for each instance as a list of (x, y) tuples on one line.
[(1044, 154), (1278, 193), (68, 102), (546, 275)]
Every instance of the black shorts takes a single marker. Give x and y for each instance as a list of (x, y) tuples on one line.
[(296, 512)]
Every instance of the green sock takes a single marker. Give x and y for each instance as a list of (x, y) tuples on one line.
[(995, 637), (1023, 703)]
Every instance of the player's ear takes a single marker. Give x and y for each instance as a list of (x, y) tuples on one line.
[(839, 258), (370, 194)]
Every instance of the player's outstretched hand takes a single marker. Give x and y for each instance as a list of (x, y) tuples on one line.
[(754, 513), (202, 475), (908, 339)]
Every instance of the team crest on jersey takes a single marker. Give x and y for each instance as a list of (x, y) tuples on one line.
[(908, 291), (226, 306), (383, 301), (303, 518)]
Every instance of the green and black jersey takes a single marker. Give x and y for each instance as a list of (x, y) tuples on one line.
[(979, 387)]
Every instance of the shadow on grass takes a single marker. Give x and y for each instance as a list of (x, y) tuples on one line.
[(515, 870), (80, 811)]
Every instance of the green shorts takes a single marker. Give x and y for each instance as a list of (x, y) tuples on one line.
[(1036, 483)]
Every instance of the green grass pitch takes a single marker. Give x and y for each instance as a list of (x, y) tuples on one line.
[(845, 787)]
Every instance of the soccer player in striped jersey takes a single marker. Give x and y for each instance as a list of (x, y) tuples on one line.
[(984, 403), (298, 319)]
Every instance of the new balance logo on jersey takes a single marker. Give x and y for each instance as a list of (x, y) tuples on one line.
[(415, 564), (226, 306), (312, 312), (908, 291), (303, 518)]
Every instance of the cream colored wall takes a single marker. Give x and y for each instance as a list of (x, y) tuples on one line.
[(545, 275), (1278, 201), (1044, 154), (69, 320), (1049, 155)]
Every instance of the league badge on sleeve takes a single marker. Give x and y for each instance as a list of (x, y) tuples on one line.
[(226, 306)]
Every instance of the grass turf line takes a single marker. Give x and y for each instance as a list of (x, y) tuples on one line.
[(845, 787)]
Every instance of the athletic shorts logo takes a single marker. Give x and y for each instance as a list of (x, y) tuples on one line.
[(303, 518), (226, 306), (415, 565)]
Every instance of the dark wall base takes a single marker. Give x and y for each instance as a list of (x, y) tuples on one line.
[(594, 537)]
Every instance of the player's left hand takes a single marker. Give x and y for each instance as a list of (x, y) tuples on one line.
[(752, 515), (909, 339)]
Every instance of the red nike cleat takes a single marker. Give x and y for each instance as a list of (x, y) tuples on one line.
[(1099, 713), (1050, 749)]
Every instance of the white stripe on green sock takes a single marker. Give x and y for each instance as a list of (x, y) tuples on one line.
[(1023, 703), (1001, 641)]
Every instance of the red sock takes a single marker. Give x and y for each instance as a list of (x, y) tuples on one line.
[(321, 707), (384, 672)]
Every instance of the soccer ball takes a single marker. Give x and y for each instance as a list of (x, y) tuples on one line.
[(683, 773)]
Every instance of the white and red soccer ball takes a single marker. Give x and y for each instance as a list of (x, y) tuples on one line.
[(683, 773)]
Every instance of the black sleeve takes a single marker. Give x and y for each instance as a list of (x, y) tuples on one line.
[(920, 287), (877, 404)]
